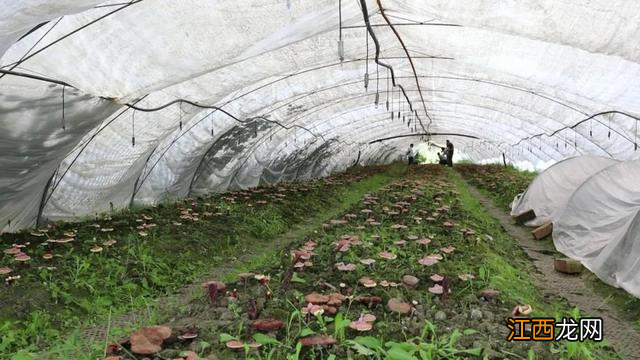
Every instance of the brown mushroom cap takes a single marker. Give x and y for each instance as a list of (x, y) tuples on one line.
[(315, 298), (387, 255), (399, 306), (321, 340), (367, 261), (22, 257), (436, 289), (13, 250), (489, 294), (449, 249), (368, 300), (234, 344), (345, 267), (267, 324), (218, 285), (246, 276), (148, 340), (367, 282), (361, 325), (5, 270), (61, 241), (368, 317), (188, 336), (428, 260), (410, 280)]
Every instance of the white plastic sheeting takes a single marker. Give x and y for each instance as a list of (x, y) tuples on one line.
[(548, 193), (508, 72), (600, 226)]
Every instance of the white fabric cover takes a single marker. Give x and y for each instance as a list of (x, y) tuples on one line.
[(600, 226), (549, 192), (512, 69)]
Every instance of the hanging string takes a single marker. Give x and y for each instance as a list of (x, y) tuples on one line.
[(366, 72), (388, 79), (180, 116), (211, 118), (392, 102), (133, 128), (635, 139), (64, 126), (399, 103), (609, 134), (340, 42), (591, 128), (377, 85)]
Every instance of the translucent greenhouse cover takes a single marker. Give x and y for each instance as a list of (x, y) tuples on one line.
[(548, 193), (600, 226), (105, 104)]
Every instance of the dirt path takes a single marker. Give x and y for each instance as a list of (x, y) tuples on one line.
[(617, 330)]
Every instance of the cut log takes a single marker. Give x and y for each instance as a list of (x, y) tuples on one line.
[(567, 266), (543, 231), (525, 216)]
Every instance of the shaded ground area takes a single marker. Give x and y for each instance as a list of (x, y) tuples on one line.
[(617, 329)]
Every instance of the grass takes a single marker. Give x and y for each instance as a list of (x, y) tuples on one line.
[(46, 304), (501, 183)]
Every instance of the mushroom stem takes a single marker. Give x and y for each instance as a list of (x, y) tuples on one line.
[(213, 293)]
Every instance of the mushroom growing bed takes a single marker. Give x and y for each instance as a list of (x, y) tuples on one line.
[(380, 281), (57, 280)]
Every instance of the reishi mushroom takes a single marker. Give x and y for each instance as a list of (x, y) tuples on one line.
[(148, 340), (267, 324), (399, 306)]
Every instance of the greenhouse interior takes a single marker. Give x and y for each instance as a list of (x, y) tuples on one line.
[(326, 179)]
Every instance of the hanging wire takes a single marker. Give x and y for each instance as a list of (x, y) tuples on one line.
[(392, 102), (340, 41), (388, 77), (64, 126), (180, 109), (211, 119), (635, 138), (366, 72), (609, 134), (377, 101), (399, 102), (133, 128), (591, 128)]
